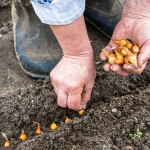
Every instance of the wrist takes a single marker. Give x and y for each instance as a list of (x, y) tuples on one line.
[(81, 59), (82, 49), (81, 53)]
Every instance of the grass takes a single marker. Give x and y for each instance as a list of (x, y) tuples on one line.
[(9, 86)]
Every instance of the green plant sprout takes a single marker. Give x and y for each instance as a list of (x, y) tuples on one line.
[(138, 134), (9, 86), (73, 147)]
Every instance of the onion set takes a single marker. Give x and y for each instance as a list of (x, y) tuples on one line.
[(38, 130), (81, 112), (7, 143), (53, 126), (23, 136), (126, 53), (66, 120)]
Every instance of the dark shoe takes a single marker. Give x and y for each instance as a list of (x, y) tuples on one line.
[(104, 14), (36, 47)]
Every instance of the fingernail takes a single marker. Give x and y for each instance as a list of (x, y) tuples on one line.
[(84, 106)]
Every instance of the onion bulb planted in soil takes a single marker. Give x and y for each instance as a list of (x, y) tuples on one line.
[(38, 130), (7, 143), (81, 112), (23, 136), (66, 120), (53, 126)]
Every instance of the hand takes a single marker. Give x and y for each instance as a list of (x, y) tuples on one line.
[(73, 79), (134, 25)]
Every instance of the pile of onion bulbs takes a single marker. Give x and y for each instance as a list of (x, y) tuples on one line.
[(126, 53)]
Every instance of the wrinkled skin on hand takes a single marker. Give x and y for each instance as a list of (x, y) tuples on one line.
[(73, 79), (134, 25)]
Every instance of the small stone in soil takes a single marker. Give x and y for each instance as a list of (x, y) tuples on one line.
[(114, 110)]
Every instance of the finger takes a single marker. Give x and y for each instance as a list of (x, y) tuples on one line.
[(119, 70), (74, 101), (119, 34), (131, 69), (55, 88), (144, 55), (107, 67), (62, 98), (103, 55), (85, 97)]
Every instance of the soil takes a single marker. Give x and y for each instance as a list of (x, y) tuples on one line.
[(118, 106), (10, 72)]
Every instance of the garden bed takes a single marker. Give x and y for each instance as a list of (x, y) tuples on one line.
[(117, 108)]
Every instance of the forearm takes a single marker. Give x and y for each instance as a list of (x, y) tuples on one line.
[(73, 77), (73, 38)]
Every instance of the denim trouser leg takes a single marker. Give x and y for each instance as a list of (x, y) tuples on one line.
[(58, 12), (103, 14)]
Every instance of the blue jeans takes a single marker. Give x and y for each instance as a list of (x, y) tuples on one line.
[(58, 12)]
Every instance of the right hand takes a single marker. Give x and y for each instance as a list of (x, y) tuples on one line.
[(134, 25)]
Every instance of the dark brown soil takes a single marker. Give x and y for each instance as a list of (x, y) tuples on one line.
[(10, 72), (98, 128), (118, 107)]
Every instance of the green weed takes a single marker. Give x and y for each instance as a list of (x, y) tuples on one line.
[(138, 134)]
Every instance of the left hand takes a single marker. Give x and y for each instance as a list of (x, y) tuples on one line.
[(134, 25), (73, 79)]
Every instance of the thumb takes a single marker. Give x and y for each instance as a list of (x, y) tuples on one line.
[(144, 55), (119, 34)]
